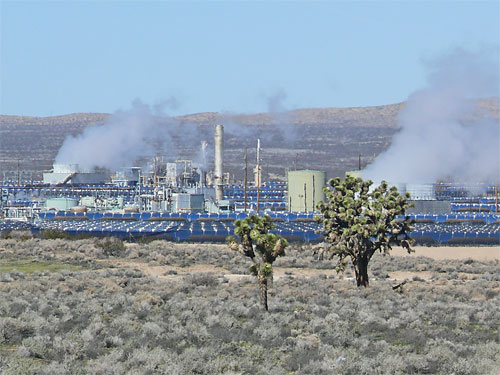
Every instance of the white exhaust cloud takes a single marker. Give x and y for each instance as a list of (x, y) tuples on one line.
[(442, 136), (121, 140)]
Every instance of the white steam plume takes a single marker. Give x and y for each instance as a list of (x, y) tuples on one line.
[(442, 136), (201, 160), (121, 140)]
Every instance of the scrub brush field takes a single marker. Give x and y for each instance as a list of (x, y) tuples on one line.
[(101, 306)]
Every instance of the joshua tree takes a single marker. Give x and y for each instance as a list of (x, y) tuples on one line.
[(260, 246), (358, 222)]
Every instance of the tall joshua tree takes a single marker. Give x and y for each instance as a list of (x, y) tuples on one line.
[(260, 246), (358, 222)]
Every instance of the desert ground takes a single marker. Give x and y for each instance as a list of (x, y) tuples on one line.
[(479, 253), (482, 253), (97, 306)]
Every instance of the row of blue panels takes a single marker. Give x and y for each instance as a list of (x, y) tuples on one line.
[(456, 237), (79, 190), (286, 216), (474, 206), (218, 230), (294, 231), (254, 196), (176, 231), (163, 225), (487, 218), (484, 200), (27, 203), (279, 198), (241, 191), (266, 185), (262, 205)]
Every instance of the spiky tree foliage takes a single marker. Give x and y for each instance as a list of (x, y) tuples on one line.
[(260, 246), (358, 222)]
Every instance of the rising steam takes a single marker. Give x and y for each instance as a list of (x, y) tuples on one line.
[(125, 137), (144, 131), (201, 160), (442, 134)]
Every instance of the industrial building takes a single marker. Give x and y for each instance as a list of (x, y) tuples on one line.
[(181, 201), (62, 174), (127, 177)]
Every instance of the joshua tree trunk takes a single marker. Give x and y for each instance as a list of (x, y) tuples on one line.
[(263, 292), (361, 269), (270, 280)]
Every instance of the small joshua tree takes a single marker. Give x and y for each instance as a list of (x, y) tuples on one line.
[(260, 246), (358, 222)]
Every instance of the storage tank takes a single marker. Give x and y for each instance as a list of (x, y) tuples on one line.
[(305, 190), (60, 204)]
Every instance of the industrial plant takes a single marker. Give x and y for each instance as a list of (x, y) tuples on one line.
[(180, 200)]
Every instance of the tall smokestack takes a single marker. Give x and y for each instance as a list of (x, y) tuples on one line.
[(219, 145)]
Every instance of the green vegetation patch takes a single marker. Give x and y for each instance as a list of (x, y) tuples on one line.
[(29, 266)]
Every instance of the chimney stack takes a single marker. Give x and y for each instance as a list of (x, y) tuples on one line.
[(218, 173)]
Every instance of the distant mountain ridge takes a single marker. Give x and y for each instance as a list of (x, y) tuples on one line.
[(329, 139), (382, 115)]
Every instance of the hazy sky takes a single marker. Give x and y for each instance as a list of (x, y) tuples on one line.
[(96, 56)]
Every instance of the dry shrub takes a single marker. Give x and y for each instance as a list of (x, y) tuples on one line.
[(123, 321)]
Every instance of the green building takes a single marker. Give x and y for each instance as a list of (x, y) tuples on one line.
[(305, 190)]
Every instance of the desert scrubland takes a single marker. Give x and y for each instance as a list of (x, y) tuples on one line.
[(103, 307)]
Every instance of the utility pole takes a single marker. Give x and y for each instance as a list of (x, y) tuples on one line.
[(155, 170), (246, 176), (496, 198), (359, 161), (18, 173), (258, 179)]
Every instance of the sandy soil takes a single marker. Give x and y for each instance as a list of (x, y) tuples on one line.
[(162, 272), (483, 253), (165, 272)]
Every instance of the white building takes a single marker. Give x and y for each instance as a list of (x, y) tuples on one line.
[(72, 174)]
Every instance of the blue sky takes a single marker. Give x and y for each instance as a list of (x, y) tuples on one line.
[(65, 57)]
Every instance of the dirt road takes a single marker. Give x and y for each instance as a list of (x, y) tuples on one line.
[(484, 253)]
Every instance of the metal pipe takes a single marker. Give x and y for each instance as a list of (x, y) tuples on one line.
[(258, 168), (314, 194), (218, 174), (305, 197)]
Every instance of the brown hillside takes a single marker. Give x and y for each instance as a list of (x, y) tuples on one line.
[(329, 139)]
